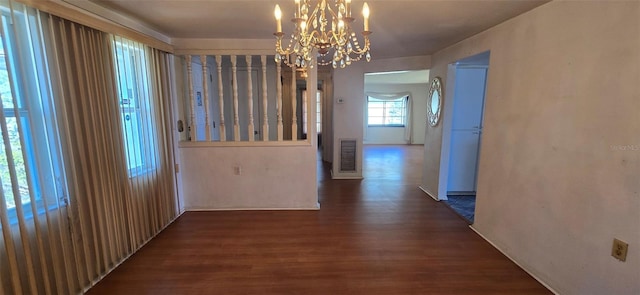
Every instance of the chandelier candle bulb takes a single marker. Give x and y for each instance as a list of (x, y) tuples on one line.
[(348, 7), (365, 13), (278, 14)]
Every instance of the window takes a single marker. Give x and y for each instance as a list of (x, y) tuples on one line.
[(386, 112), (32, 164), (135, 108)]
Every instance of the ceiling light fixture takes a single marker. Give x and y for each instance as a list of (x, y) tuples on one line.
[(326, 28)]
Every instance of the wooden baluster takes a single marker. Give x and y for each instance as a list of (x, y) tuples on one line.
[(192, 126), (205, 93), (265, 104), (234, 84), (294, 115), (279, 102), (223, 130), (250, 128)]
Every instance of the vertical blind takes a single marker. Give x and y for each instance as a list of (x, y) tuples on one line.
[(86, 162)]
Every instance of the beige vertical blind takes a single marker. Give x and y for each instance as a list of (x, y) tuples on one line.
[(86, 161)]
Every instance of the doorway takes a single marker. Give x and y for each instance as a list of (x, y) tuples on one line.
[(462, 134)]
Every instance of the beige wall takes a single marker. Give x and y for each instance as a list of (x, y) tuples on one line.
[(277, 177), (559, 172)]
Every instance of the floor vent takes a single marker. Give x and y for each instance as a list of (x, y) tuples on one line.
[(348, 155)]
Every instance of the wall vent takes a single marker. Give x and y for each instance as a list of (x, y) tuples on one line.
[(348, 155)]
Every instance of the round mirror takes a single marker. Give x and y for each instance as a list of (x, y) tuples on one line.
[(434, 105)]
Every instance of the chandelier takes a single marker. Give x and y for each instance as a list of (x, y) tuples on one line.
[(327, 28)]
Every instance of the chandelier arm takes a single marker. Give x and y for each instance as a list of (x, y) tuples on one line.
[(333, 13), (313, 14), (279, 49), (361, 50), (364, 49)]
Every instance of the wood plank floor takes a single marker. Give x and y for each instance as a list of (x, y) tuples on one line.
[(380, 235)]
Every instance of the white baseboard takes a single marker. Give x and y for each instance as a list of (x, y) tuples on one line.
[(428, 193), (253, 209), (338, 177), (346, 177), (514, 261)]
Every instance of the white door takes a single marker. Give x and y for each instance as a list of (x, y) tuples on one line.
[(466, 129)]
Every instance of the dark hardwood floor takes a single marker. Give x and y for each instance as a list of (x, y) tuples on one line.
[(380, 235)]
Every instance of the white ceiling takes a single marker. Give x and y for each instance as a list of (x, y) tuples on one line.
[(400, 28)]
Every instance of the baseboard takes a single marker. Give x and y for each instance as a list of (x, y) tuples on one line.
[(516, 262), (428, 193), (461, 193), (253, 209), (346, 177), (333, 176)]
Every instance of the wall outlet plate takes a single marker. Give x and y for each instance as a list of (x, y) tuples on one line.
[(619, 250)]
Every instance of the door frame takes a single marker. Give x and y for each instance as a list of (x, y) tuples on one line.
[(447, 120)]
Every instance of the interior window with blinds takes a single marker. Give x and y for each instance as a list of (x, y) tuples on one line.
[(135, 109)]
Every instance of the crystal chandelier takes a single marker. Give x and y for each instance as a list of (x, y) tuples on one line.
[(327, 28)]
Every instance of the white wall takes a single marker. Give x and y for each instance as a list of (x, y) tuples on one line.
[(395, 135), (559, 160), (348, 117), (270, 177)]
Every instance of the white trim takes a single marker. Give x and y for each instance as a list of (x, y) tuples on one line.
[(253, 209), (447, 122), (210, 46), (430, 194), (515, 261), (337, 177), (201, 144), (345, 177)]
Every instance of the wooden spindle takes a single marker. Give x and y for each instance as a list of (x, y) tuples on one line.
[(192, 126), (223, 130), (234, 85), (294, 116), (205, 93), (265, 116), (250, 128), (279, 100)]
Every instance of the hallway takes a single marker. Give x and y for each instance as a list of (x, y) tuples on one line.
[(379, 235)]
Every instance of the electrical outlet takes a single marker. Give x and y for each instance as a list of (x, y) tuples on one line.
[(619, 250)]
